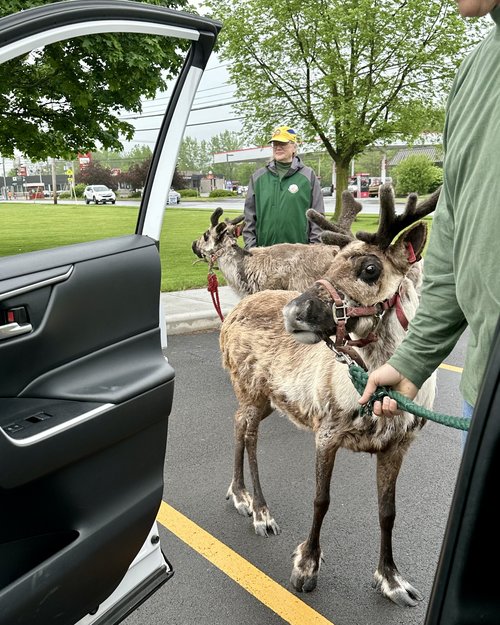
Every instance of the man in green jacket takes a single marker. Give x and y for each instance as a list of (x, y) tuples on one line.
[(461, 275), (279, 195)]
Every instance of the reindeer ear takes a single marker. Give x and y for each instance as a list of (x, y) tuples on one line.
[(220, 229), (232, 225), (411, 243)]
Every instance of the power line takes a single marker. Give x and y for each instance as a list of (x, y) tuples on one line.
[(215, 121), (199, 108)]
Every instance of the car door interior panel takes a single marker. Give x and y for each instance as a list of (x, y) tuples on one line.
[(84, 402)]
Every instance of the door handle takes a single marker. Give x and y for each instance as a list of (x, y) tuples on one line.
[(14, 329)]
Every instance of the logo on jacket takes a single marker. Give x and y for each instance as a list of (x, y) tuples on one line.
[(293, 188)]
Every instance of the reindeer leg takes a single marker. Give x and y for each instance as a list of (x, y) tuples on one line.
[(263, 522), (242, 500), (387, 578), (308, 555), (247, 419)]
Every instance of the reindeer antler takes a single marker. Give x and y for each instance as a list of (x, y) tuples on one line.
[(337, 233), (236, 220), (214, 218), (391, 224)]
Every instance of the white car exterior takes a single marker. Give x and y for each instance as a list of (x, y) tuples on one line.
[(173, 197), (99, 193)]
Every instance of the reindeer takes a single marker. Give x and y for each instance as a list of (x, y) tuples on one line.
[(275, 345), (283, 266)]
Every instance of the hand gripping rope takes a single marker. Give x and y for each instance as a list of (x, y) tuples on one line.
[(359, 379)]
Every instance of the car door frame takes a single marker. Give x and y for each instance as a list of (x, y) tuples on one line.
[(19, 34)]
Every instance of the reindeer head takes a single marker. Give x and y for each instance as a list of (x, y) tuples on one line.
[(218, 237), (367, 272)]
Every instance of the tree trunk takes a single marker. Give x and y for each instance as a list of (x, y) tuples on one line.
[(342, 181)]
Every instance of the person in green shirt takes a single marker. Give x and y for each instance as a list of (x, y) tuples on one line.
[(279, 195), (461, 286)]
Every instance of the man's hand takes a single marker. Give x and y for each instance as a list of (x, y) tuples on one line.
[(386, 375)]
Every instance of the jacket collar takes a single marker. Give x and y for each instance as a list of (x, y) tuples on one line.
[(295, 166)]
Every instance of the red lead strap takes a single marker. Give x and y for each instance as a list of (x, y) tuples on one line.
[(213, 289)]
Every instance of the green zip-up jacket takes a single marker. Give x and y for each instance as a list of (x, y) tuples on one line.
[(462, 275), (275, 209)]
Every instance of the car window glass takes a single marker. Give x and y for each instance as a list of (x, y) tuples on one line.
[(31, 219)]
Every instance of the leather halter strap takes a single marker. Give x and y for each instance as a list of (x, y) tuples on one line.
[(341, 313)]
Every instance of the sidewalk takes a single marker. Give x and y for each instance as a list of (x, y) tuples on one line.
[(193, 310)]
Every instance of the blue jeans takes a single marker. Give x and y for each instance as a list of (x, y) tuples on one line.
[(467, 411)]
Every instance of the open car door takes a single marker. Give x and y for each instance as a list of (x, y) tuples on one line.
[(85, 389)]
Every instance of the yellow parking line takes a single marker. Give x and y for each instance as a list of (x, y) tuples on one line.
[(285, 604), (451, 368)]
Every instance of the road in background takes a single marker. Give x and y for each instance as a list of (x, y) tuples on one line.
[(370, 205)]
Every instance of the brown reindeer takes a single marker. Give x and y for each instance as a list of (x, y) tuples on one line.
[(363, 301), (288, 266)]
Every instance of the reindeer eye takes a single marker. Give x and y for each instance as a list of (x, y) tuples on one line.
[(370, 270)]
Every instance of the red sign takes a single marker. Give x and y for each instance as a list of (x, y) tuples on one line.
[(84, 159)]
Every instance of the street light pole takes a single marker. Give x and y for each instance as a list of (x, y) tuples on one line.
[(228, 171)]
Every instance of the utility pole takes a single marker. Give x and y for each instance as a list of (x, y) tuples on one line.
[(54, 180)]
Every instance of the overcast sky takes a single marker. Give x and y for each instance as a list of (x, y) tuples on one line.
[(210, 119)]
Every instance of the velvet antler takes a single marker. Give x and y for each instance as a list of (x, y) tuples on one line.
[(337, 233), (214, 218), (236, 220), (391, 224)]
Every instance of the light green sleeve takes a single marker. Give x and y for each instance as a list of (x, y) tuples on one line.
[(439, 321)]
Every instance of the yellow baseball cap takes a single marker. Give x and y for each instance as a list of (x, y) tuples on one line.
[(284, 134)]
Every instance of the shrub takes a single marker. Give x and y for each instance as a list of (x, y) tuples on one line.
[(188, 192), (79, 189), (222, 193), (64, 195), (417, 174)]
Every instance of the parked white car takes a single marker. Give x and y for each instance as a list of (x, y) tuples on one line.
[(99, 193), (173, 197)]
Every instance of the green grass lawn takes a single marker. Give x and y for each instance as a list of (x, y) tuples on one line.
[(29, 227)]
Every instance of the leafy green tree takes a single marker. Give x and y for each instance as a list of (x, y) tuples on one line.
[(68, 96), (349, 73), (417, 174), (197, 155), (137, 154), (194, 155), (225, 142)]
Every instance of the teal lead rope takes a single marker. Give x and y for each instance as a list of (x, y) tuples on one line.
[(359, 378)]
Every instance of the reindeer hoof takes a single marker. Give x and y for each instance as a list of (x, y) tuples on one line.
[(302, 583), (263, 523), (305, 570), (397, 589), (242, 500)]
